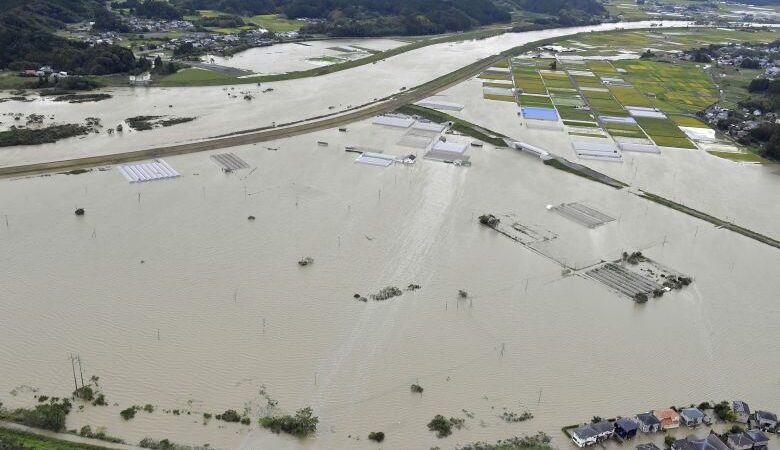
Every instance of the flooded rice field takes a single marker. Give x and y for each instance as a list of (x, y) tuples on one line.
[(304, 55), (221, 110), (172, 297)]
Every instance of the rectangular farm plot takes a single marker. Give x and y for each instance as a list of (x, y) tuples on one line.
[(536, 113), (582, 214), (535, 100), (664, 132), (624, 281)]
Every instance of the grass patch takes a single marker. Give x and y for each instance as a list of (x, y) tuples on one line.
[(18, 440), (688, 121), (502, 98), (745, 157), (585, 172)]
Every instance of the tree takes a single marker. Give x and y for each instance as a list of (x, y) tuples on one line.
[(554, 65), (669, 440)]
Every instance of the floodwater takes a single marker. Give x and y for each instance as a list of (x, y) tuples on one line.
[(221, 110), (235, 312), (304, 55)]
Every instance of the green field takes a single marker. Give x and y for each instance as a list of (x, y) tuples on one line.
[(197, 77), (276, 24)]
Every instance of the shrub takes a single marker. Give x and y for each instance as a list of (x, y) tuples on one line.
[(301, 424), (164, 444), (376, 436), (245, 420), (129, 413), (100, 400), (229, 416), (49, 416), (148, 408), (723, 412), (443, 426), (705, 405)]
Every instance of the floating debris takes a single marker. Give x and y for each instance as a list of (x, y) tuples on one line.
[(80, 211), (489, 220), (250, 218), (306, 261), (413, 287)]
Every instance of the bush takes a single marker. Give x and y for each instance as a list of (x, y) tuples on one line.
[(443, 426), (48, 416), (100, 400), (148, 408), (129, 413), (376, 436), (723, 412), (229, 416), (245, 421), (705, 405), (164, 444), (84, 393), (302, 424)]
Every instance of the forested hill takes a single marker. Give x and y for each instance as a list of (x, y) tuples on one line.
[(27, 38), (369, 17)]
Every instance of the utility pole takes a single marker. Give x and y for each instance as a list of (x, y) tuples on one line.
[(80, 371), (73, 366)]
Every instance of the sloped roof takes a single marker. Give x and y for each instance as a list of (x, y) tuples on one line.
[(647, 446), (625, 424), (740, 439), (603, 427), (711, 442), (666, 414), (740, 407), (766, 415), (647, 419), (584, 432), (692, 413), (757, 436)]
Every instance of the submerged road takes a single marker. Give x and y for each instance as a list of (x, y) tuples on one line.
[(251, 137)]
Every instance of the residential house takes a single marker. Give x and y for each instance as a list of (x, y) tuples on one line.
[(648, 423), (625, 428), (739, 441), (668, 417), (760, 441), (766, 420), (711, 442), (691, 417), (684, 444), (647, 446), (592, 433), (742, 411)]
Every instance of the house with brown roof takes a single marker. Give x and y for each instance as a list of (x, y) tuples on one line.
[(668, 417)]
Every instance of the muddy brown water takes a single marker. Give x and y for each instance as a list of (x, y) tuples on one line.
[(235, 312)]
